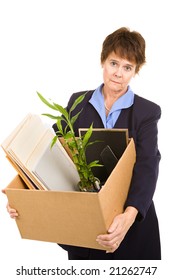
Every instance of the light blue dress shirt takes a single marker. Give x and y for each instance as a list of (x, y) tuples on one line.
[(125, 101)]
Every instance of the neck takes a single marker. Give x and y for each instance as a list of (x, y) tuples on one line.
[(109, 100), (111, 94)]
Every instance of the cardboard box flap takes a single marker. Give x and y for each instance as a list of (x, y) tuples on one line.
[(114, 193)]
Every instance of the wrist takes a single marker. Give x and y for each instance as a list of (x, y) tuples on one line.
[(131, 213)]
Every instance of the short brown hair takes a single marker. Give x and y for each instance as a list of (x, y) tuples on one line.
[(127, 44)]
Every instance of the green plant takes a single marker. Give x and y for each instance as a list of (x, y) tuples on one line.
[(77, 145)]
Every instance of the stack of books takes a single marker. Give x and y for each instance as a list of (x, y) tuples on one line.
[(28, 148)]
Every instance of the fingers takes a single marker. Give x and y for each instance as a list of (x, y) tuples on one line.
[(12, 212), (109, 241), (110, 247), (113, 248)]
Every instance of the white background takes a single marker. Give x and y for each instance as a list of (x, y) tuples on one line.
[(54, 47)]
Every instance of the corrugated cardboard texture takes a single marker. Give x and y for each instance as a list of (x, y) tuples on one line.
[(73, 218)]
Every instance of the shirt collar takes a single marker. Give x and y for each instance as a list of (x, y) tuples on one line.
[(125, 101)]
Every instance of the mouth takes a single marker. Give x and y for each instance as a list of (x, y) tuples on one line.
[(115, 82)]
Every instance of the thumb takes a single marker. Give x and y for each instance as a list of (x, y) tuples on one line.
[(113, 226)]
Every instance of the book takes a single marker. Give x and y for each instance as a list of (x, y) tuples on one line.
[(108, 148), (28, 148)]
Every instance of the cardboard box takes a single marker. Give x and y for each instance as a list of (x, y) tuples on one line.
[(73, 218)]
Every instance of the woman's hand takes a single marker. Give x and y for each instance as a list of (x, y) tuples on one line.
[(12, 212), (118, 229)]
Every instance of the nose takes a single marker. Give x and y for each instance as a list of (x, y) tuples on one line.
[(118, 72)]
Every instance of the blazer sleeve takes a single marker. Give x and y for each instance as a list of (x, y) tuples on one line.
[(146, 168)]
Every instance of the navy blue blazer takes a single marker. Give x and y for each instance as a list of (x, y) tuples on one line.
[(141, 121)]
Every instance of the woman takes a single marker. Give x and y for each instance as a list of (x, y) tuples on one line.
[(134, 234)]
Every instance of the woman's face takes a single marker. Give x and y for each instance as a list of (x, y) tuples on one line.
[(117, 73)]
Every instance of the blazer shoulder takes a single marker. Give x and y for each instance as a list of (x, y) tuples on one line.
[(146, 107)]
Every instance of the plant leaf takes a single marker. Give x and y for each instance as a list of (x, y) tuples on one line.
[(50, 116), (54, 140), (74, 118), (77, 101), (45, 101), (62, 110), (59, 125), (87, 136), (93, 142), (94, 164), (68, 135)]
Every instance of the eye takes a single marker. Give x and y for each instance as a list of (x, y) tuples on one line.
[(113, 63), (128, 68)]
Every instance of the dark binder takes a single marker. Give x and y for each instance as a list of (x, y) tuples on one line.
[(110, 145), (109, 159)]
